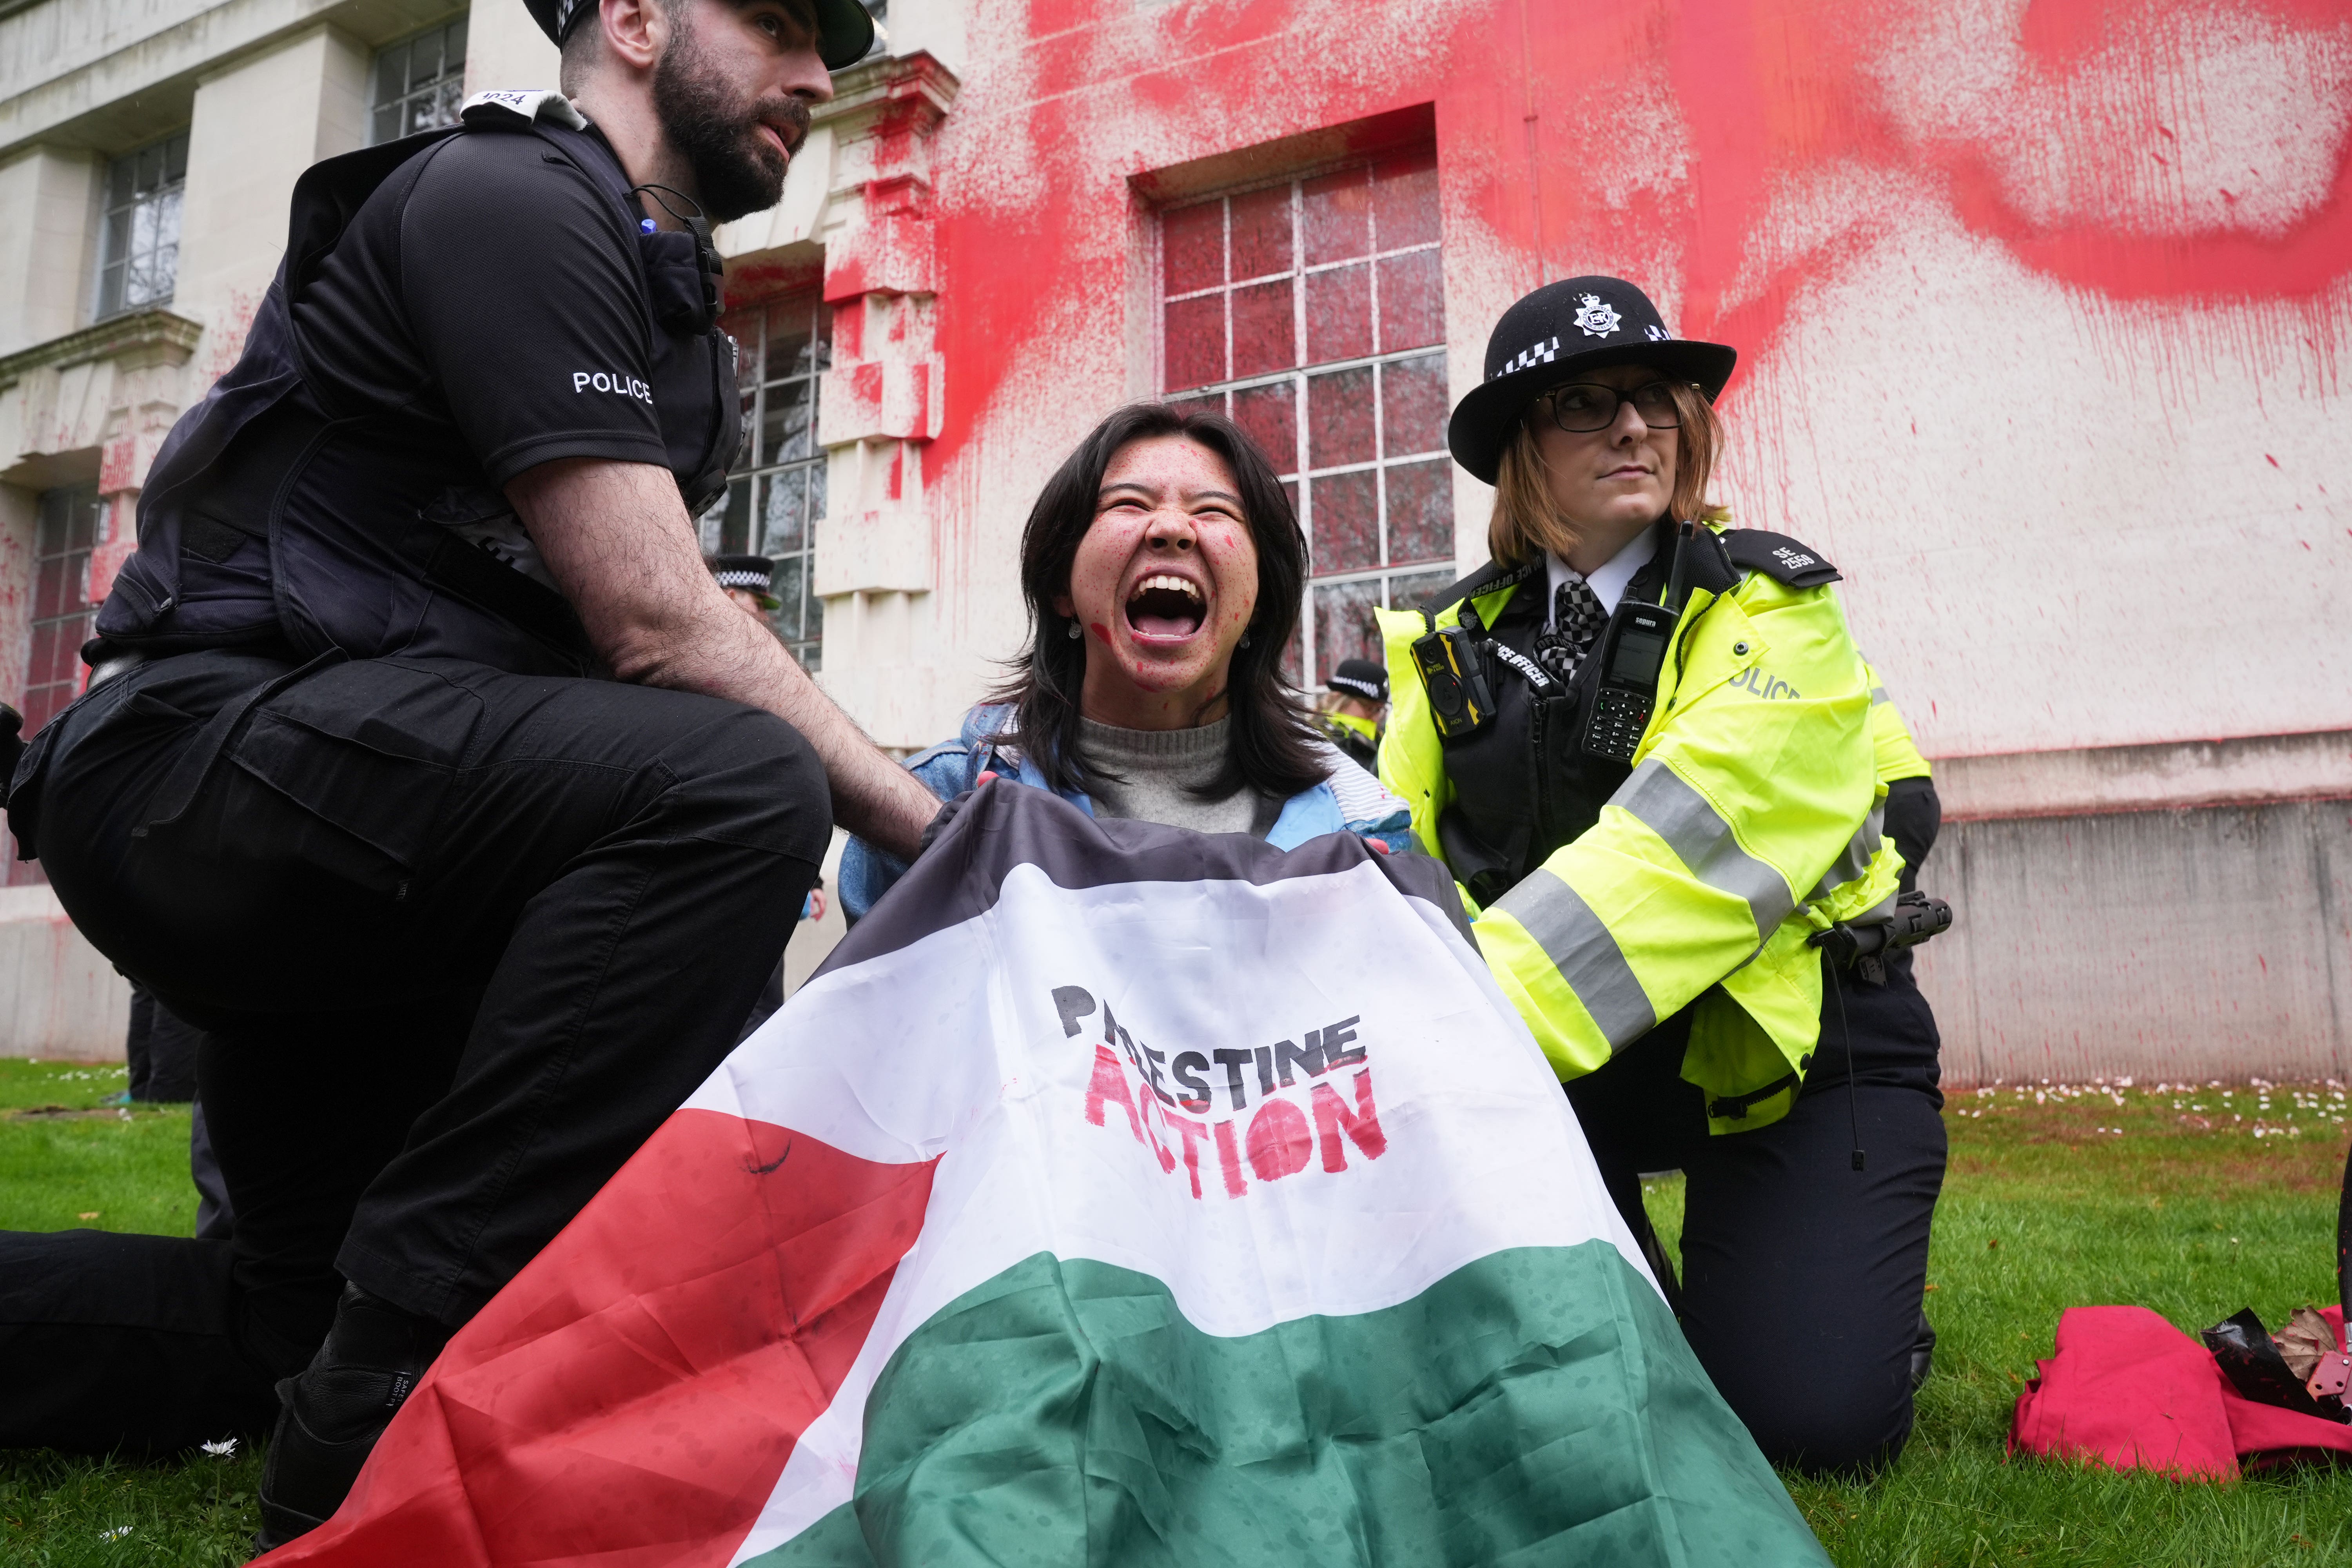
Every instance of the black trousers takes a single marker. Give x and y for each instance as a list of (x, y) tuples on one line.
[(1802, 1278), (458, 942)]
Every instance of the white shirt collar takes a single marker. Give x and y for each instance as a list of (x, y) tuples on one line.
[(1608, 584)]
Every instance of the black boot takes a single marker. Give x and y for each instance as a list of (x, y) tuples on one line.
[(330, 1414), (1923, 1353)]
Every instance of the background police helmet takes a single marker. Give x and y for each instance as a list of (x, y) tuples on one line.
[(1360, 678), (755, 574), (844, 30), (1580, 325)]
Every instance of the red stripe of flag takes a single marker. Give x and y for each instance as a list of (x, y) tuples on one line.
[(632, 1397)]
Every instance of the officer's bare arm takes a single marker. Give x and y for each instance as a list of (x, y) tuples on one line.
[(618, 540)]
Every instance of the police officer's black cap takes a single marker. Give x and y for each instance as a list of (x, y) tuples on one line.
[(1361, 677), (1554, 334), (752, 573), (845, 29)]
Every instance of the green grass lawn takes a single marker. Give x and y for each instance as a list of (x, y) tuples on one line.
[(2194, 1204)]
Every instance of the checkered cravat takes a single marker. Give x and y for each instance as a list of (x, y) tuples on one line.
[(1577, 618)]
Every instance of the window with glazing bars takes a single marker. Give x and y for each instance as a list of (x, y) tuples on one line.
[(62, 539), (139, 255), (420, 83), (777, 492), (1312, 312)]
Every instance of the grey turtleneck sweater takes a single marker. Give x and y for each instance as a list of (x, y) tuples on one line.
[(1161, 768)]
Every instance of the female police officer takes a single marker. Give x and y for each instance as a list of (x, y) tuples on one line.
[(1644, 744)]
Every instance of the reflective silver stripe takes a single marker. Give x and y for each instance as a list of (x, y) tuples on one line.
[(1659, 798), (1579, 946), (1878, 694), (1855, 859)]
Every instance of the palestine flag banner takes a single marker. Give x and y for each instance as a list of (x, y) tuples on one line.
[(1114, 1194)]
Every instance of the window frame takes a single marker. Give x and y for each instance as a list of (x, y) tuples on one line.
[(1396, 583), (119, 245), (450, 75), (735, 524)]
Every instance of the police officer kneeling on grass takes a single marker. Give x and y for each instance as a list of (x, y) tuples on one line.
[(423, 758), (1644, 744)]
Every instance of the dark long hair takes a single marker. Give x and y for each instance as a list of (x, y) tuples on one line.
[(1274, 750)]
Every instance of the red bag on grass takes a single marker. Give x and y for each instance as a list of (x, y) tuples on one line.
[(2128, 1390)]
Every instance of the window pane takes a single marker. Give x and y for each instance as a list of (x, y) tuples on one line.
[(1417, 591), (1421, 511), (816, 495), (1343, 626), (1412, 302), (735, 527), (110, 289), (1196, 341), (1339, 313), (1264, 335), (40, 670), (1412, 406), (1340, 419), (1193, 240), (81, 518), (1405, 200), (791, 350), (453, 53), (784, 424), (1347, 531), (175, 158), (1335, 217), (49, 589), (386, 126), (791, 573), (1261, 232), (1269, 417), (783, 519)]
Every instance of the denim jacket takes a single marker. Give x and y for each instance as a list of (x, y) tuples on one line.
[(1349, 801)]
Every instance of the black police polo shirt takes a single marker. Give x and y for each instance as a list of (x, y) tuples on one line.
[(486, 316)]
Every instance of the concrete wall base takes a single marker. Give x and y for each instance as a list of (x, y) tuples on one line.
[(2204, 943), (59, 997)]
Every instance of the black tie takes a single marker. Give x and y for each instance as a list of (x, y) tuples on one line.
[(1577, 618)]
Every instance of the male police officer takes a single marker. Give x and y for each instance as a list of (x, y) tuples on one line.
[(422, 756)]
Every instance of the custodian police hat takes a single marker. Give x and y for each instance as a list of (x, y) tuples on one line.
[(1361, 677), (1583, 323), (845, 29), (753, 573)]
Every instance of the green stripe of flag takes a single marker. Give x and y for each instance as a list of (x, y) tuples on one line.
[(1537, 1406)]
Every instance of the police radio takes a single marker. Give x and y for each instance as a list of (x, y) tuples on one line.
[(1631, 650), (1456, 680)]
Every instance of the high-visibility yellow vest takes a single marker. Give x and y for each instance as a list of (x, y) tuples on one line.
[(1898, 753), (1752, 821)]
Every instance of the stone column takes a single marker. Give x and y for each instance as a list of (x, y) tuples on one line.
[(879, 408)]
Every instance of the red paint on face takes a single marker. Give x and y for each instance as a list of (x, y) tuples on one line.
[(1167, 580)]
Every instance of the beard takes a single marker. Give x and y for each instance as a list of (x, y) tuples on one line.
[(716, 128)]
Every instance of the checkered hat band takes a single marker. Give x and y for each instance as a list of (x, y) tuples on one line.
[(740, 578), (1350, 683)]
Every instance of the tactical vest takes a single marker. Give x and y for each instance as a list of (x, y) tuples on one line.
[(223, 558), (1523, 786)]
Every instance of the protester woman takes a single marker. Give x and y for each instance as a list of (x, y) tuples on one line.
[(1642, 742), (1163, 568)]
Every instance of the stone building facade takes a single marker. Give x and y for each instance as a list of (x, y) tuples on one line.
[(2042, 310)]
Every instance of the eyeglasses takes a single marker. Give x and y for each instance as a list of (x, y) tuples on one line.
[(1583, 407)]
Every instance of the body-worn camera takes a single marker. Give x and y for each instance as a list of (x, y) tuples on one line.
[(1456, 680)]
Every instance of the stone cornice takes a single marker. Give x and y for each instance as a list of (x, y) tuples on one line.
[(145, 335), (888, 81)]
